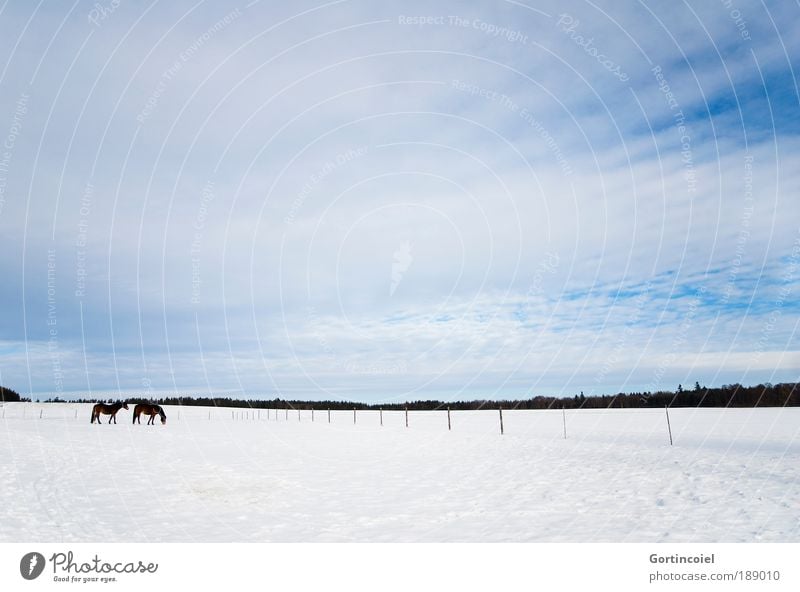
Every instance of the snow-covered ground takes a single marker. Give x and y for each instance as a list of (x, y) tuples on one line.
[(732, 475)]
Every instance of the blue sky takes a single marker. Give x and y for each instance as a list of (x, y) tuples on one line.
[(385, 201)]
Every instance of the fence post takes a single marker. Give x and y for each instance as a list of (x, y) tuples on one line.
[(669, 428), (312, 414), (329, 415), (354, 416), (406, 416), (501, 421), (381, 411), (287, 414), (564, 417), (448, 419), (41, 411)]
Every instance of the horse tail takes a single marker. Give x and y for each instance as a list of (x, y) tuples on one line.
[(93, 415)]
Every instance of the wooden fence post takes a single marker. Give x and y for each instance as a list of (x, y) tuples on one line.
[(354, 416), (381, 412), (329, 415), (501, 421), (669, 428), (564, 418), (287, 414), (42, 410), (406, 416), (312, 414), (448, 419)]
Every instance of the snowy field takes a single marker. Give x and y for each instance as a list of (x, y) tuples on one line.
[(211, 476)]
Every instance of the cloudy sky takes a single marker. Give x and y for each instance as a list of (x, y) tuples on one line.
[(386, 201)]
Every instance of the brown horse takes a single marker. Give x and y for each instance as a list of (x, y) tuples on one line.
[(106, 409), (151, 410)]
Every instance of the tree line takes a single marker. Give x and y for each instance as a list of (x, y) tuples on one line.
[(9, 396), (730, 395)]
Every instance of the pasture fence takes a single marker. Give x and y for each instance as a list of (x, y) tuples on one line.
[(451, 420)]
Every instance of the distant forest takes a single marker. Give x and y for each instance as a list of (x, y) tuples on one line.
[(730, 395), (9, 396)]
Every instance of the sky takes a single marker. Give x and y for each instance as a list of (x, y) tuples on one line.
[(385, 201)]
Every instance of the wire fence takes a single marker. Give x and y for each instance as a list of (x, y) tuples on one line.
[(668, 425)]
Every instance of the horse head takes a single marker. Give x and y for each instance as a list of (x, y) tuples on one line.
[(125, 405)]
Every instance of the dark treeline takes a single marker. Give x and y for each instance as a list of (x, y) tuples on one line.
[(9, 396), (733, 395)]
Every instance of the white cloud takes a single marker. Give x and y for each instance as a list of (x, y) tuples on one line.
[(485, 192)]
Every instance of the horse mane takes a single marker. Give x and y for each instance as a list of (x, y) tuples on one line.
[(161, 412)]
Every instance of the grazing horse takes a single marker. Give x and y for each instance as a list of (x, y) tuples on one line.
[(105, 409), (151, 410)]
